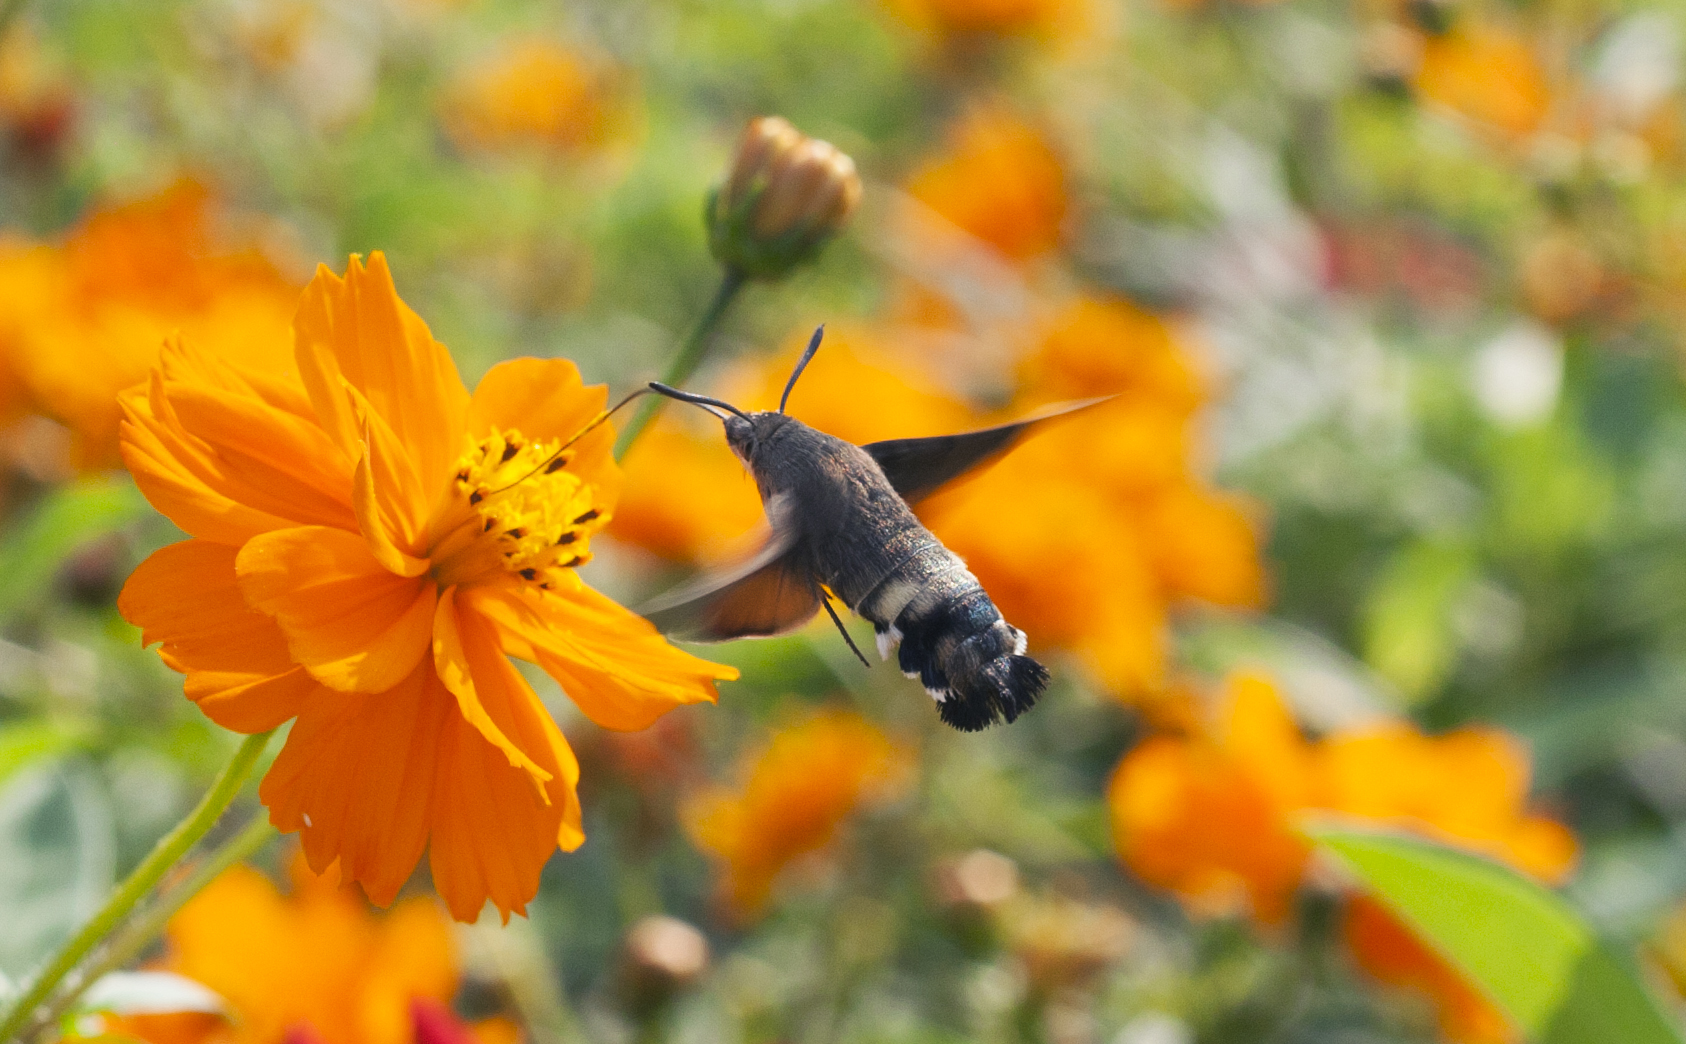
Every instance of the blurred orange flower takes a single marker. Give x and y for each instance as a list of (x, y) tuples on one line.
[(82, 321), (369, 545), (533, 92), (1213, 817), (999, 180), (1487, 75), (315, 961), (796, 794), (1111, 488), (1039, 18)]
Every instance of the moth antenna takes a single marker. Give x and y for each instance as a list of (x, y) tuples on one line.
[(577, 436), (696, 400), (825, 600), (802, 364)]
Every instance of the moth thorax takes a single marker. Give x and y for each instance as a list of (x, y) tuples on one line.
[(538, 515)]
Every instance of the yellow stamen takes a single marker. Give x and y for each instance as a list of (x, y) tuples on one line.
[(527, 513)]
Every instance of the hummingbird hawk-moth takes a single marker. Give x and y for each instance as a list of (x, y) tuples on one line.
[(841, 524)]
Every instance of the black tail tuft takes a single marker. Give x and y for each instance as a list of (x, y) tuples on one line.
[(1001, 691)]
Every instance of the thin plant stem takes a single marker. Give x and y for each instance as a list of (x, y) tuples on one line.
[(166, 854), (127, 944), (687, 359)]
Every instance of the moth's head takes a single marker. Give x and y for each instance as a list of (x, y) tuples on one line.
[(746, 433)]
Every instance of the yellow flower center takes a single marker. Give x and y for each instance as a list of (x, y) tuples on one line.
[(525, 513)]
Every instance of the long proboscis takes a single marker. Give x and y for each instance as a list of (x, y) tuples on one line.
[(802, 364), (696, 400), (590, 426)]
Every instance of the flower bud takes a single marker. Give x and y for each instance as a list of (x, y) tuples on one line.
[(786, 196), (662, 956), (978, 882)]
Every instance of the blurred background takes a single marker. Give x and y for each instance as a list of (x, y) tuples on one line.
[(1387, 518)]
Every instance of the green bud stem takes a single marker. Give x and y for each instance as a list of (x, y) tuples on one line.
[(687, 359), (163, 857)]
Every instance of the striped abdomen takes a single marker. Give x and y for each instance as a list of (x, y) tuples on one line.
[(953, 639)]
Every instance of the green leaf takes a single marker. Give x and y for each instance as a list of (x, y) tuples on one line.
[(62, 522), (1521, 944), (24, 742), (57, 859)]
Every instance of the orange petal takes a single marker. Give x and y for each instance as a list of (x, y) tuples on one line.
[(357, 329), (493, 829), (185, 596), (487, 686), (491, 832), (352, 623), (356, 779), (274, 460), (228, 493), (610, 662), (385, 495), (545, 399)]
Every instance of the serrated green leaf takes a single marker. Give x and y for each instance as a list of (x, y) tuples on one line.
[(1521, 944)]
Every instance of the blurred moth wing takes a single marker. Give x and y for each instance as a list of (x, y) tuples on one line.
[(768, 593), (918, 468)]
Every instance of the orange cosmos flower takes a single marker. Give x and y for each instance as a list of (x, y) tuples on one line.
[(370, 544), (1212, 817), (535, 91), (796, 795), (82, 321), (1487, 75), (999, 180)]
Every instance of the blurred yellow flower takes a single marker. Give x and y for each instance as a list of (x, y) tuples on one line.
[(999, 180), (797, 793), (534, 91), (1487, 75), (370, 544), (83, 320), (1064, 943), (1213, 817)]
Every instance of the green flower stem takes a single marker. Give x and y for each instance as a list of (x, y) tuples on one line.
[(166, 854), (687, 359), (127, 944)]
